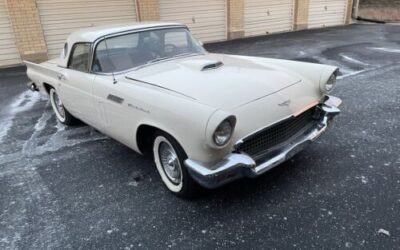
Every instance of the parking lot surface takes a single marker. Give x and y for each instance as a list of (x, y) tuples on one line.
[(72, 187)]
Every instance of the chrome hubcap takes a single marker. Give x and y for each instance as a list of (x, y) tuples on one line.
[(170, 163), (58, 105)]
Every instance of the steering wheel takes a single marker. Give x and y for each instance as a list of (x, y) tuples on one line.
[(170, 48)]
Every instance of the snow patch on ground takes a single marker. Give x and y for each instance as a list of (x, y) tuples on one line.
[(383, 231)]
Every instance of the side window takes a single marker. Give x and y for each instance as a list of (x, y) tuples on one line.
[(177, 39), (117, 54), (79, 58)]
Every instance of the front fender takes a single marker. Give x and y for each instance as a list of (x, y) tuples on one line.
[(313, 73)]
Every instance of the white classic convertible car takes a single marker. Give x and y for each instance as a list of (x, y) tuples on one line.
[(207, 118)]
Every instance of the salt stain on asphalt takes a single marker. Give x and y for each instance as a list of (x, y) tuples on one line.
[(20, 170), (22, 103)]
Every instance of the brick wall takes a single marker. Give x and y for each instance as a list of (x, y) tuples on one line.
[(28, 31), (148, 10), (235, 10), (349, 11), (301, 14)]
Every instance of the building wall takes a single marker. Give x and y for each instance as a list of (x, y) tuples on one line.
[(28, 31), (25, 20), (148, 10), (349, 11), (235, 19), (301, 14), (380, 10)]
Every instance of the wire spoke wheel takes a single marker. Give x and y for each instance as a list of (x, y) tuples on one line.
[(170, 162), (57, 105)]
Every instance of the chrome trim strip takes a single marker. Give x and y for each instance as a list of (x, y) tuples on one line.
[(115, 99)]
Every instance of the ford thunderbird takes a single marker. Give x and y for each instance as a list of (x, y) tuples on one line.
[(208, 119)]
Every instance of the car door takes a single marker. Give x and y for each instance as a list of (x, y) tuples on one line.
[(110, 92), (76, 84), (112, 102)]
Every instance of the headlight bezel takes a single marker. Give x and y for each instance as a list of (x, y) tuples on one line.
[(330, 84), (223, 133), (229, 121)]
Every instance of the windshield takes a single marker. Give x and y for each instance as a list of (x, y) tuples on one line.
[(132, 50)]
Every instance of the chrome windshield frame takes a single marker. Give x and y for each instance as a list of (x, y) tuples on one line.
[(98, 40)]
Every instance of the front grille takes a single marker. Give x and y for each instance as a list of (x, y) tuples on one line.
[(267, 139)]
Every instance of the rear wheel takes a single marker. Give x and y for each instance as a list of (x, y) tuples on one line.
[(169, 158), (62, 114)]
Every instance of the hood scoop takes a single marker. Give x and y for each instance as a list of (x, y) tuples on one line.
[(212, 65)]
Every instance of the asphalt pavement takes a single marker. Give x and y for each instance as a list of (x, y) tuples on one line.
[(74, 188)]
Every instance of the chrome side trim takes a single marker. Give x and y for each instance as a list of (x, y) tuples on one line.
[(115, 98)]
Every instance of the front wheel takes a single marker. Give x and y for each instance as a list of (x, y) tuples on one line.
[(62, 114), (169, 158)]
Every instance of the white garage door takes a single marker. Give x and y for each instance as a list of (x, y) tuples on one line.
[(324, 13), (61, 17), (263, 17), (9, 54), (206, 19)]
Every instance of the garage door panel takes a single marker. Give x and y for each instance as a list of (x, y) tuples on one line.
[(9, 54), (76, 5), (325, 13), (93, 16), (205, 19), (61, 17), (268, 16)]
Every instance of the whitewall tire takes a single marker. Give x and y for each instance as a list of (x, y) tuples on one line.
[(169, 158), (61, 112)]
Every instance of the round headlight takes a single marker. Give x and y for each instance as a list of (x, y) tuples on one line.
[(330, 83), (223, 133)]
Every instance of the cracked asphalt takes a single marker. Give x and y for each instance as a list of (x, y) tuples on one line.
[(74, 188)]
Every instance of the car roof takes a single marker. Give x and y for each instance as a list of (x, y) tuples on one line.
[(91, 34)]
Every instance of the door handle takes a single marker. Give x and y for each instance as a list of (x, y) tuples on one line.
[(61, 77)]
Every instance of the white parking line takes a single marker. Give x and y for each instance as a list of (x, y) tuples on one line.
[(352, 60), (351, 74), (389, 50)]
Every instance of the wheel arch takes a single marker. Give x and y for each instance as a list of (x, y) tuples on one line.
[(47, 87), (145, 136)]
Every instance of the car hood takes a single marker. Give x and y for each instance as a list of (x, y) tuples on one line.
[(221, 81)]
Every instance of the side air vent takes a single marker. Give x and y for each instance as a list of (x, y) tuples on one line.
[(212, 66)]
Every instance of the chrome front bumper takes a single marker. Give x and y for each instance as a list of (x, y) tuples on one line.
[(236, 165)]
